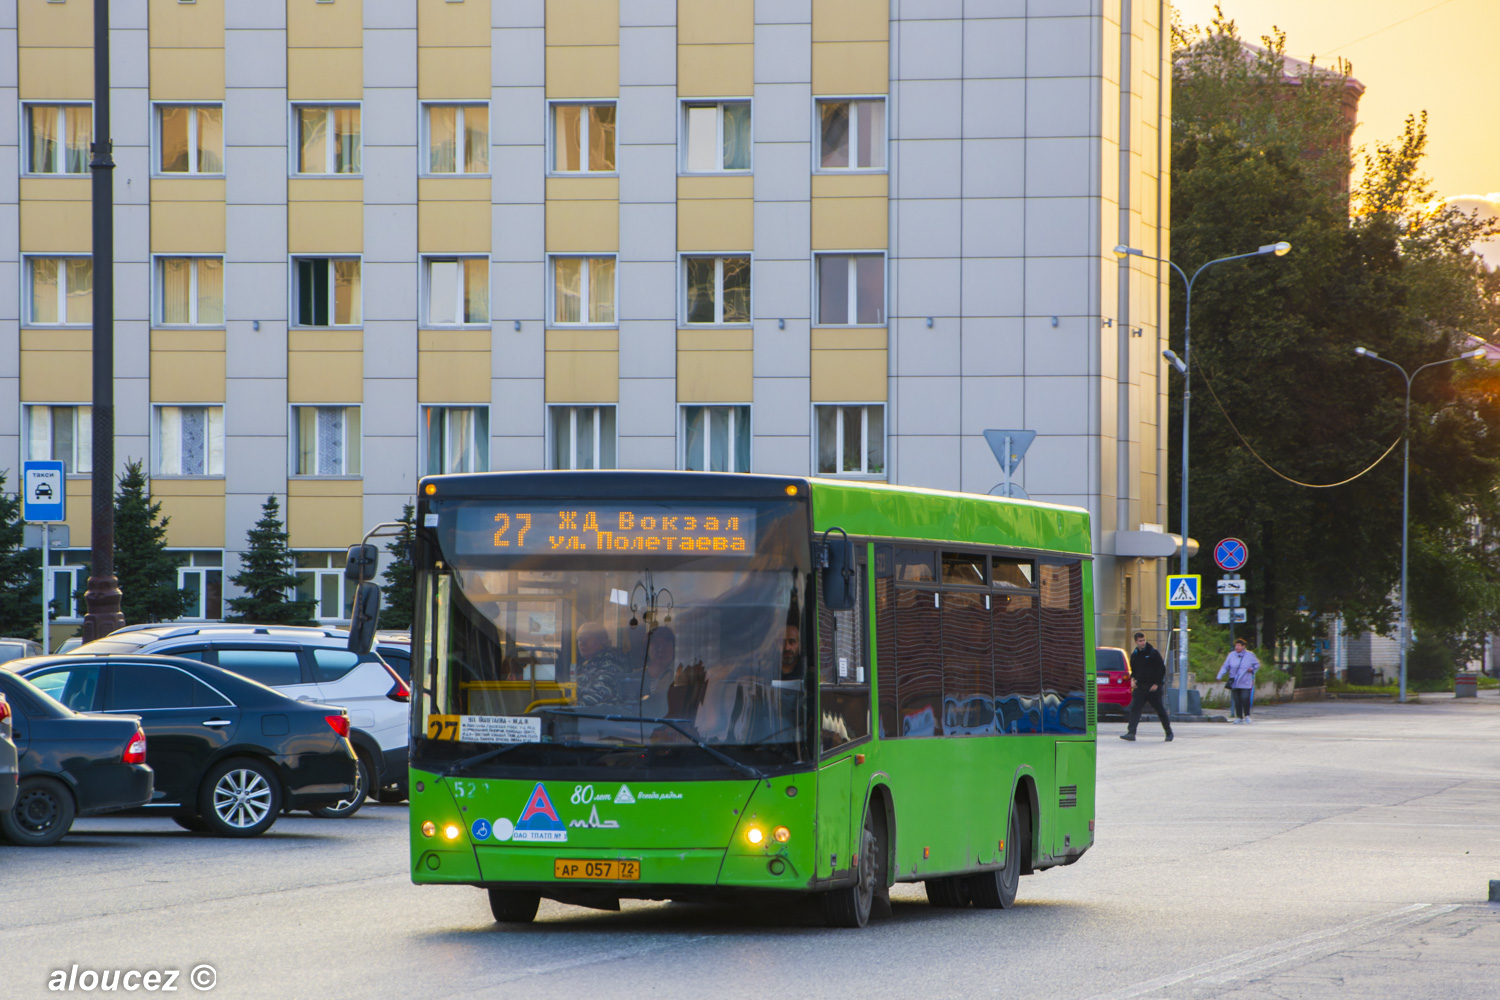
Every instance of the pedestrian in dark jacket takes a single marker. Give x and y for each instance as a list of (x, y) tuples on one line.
[(1148, 672)]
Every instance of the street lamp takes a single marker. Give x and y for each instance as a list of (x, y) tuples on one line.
[(1182, 365), (1365, 352)]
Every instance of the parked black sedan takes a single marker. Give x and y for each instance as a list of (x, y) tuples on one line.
[(229, 753), (70, 764), (9, 766)]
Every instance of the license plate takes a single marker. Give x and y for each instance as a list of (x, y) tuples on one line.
[(629, 871)]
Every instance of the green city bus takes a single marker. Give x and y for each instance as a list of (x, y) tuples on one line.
[(708, 686)]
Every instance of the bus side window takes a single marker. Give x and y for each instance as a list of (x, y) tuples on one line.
[(1018, 673), (919, 657), (842, 673), (968, 697), (1063, 673), (885, 640)]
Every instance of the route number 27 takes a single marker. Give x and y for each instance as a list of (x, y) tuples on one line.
[(523, 523)]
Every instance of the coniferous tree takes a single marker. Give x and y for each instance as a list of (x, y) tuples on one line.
[(147, 572), (400, 580), (20, 583), (267, 573)]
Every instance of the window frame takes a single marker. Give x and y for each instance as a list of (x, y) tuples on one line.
[(584, 290), (684, 135), (28, 321), (817, 130), (78, 571), (718, 259), (481, 442), (354, 447), (583, 146), (864, 438), (852, 302), (572, 410), (156, 447), (192, 567), (682, 431), (25, 435), (330, 158), (460, 161), (335, 570), (294, 289), (25, 129), (427, 322), (158, 290), (156, 139)]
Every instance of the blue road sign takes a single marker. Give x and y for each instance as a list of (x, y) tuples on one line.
[(44, 492), (1184, 593), (1231, 554)]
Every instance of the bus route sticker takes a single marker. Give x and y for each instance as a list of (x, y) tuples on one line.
[(539, 821), (499, 729)]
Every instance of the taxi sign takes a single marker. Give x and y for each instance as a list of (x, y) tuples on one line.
[(44, 492), (1184, 592)]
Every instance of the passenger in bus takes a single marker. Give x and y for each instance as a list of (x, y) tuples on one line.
[(601, 669)]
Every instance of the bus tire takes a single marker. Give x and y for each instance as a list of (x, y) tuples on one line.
[(851, 905), (996, 889), (950, 892), (514, 906)]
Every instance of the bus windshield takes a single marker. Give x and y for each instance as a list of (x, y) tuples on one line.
[(659, 635)]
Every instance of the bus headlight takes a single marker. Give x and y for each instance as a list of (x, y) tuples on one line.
[(429, 828), (451, 831), (782, 834), (755, 835)]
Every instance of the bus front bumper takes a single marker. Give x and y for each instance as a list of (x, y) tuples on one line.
[(528, 868)]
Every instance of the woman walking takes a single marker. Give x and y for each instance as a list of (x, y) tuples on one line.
[(1240, 666)]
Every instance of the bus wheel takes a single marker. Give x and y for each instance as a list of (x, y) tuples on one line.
[(851, 905), (512, 906), (996, 889), (951, 892)]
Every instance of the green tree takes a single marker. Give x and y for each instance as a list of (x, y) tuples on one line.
[(147, 572), (20, 579), (267, 574), (400, 580), (1254, 160)]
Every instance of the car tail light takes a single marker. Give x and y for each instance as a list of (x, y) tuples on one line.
[(400, 690), (338, 723), (135, 753), (4, 708)]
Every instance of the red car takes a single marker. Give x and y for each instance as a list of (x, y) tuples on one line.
[(1112, 668)]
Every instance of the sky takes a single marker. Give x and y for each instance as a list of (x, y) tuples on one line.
[(1411, 55)]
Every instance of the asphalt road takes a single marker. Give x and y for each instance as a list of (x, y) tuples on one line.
[(1338, 849)]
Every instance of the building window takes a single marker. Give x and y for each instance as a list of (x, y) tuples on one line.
[(458, 291), (717, 137), (320, 579), (583, 437), (458, 139), (189, 440), (327, 291), (583, 138), (716, 438), (455, 439), (852, 135), (718, 289), (327, 140), (68, 576), (325, 441), (583, 290), (851, 440), (190, 291), (60, 291), (58, 137), (60, 434), (200, 576), (851, 289), (191, 139)]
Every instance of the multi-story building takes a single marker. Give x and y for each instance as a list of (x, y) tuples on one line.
[(362, 240)]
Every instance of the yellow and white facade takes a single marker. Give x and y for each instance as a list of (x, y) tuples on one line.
[(361, 240)]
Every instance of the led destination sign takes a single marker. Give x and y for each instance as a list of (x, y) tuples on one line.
[(574, 530)]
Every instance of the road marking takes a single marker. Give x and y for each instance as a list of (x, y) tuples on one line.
[(1248, 963)]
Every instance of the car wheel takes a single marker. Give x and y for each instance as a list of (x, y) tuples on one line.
[(240, 798), (513, 906), (43, 813), (851, 905), (194, 824), (345, 808)]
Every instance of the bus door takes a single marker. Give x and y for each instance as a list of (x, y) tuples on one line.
[(835, 782)]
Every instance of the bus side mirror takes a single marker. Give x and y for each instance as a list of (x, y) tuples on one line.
[(838, 572), (366, 615), (361, 562)]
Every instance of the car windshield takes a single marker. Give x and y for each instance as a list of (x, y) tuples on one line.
[(579, 655), (1110, 661), (120, 642)]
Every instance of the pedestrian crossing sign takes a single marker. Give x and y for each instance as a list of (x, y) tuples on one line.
[(1184, 593)]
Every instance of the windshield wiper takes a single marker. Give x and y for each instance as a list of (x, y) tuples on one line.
[(479, 758), (677, 724)]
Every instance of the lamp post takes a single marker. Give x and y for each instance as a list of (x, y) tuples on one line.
[(1365, 352), (1183, 365)]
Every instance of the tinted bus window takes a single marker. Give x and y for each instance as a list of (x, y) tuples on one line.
[(885, 649), (1063, 707), (963, 569), (916, 566), (968, 694), (919, 662), (1017, 573), (1018, 675)]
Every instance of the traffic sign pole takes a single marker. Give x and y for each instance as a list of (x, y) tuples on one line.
[(46, 590)]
